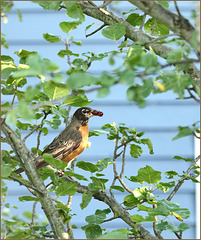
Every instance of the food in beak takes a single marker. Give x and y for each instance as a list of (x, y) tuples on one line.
[(97, 113)]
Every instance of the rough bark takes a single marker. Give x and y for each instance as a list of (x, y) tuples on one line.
[(178, 24), (34, 177), (137, 35), (118, 210)]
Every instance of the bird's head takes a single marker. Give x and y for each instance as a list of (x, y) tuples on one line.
[(84, 113)]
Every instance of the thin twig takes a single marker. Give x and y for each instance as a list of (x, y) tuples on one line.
[(157, 233), (41, 125), (95, 6), (181, 181), (143, 21), (98, 29), (153, 29), (29, 134), (25, 184), (123, 163), (114, 163), (177, 8), (70, 198), (70, 230), (164, 36), (34, 213), (110, 219), (192, 96), (67, 48)]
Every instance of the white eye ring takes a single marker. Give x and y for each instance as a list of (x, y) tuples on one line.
[(84, 111)]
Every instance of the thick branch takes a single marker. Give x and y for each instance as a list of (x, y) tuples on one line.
[(34, 177), (178, 24), (118, 210), (137, 35)]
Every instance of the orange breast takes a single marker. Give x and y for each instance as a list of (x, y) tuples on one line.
[(84, 130)]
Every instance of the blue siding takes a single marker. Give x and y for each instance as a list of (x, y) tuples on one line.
[(159, 119)]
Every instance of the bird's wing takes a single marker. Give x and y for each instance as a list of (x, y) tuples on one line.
[(64, 144)]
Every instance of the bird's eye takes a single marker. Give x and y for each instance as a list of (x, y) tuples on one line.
[(84, 111)]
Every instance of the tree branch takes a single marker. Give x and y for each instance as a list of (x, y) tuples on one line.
[(177, 23), (117, 209), (34, 177), (181, 181), (138, 35)]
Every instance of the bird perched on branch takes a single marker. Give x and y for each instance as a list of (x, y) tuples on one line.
[(72, 141)]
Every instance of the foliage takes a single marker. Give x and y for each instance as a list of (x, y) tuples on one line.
[(42, 106)]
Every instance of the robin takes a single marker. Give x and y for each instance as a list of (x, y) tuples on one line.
[(72, 141)]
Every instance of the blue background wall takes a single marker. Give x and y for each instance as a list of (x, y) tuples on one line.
[(159, 119)]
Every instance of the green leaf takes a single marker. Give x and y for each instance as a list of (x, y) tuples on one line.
[(49, 5), (160, 29), (87, 166), (165, 187), (12, 117), (66, 188), (119, 188), (175, 55), (114, 32), (165, 208), (176, 82), (78, 176), (97, 133), (130, 201), (103, 163), (149, 175), (68, 26), (143, 208), (19, 15), (36, 67), (103, 92), (148, 142), (127, 77), (171, 228), (6, 170), (79, 79), (164, 3), (138, 218), (92, 231), (143, 193), (99, 181), (62, 53), (135, 150), (74, 10), (25, 111), (76, 101), (58, 164), (183, 132), (182, 212), (55, 90), (86, 198), (182, 158), (28, 198), (116, 234), (171, 174), (51, 38), (134, 19)]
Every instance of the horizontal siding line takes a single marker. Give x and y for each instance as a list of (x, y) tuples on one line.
[(139, 129), (20, 192), (41, 11), (122, 103), (117, 103), (146, 158), (38, 42)]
